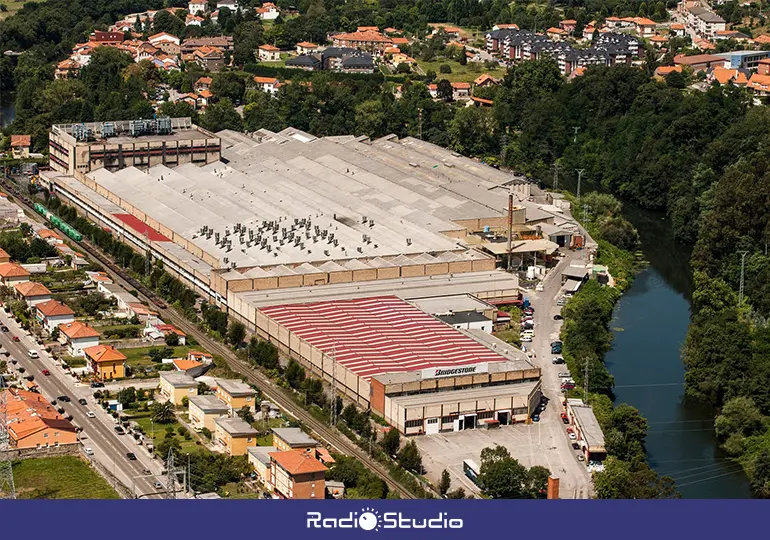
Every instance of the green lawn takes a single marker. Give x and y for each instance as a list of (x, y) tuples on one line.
[(466, 73), (65, 477), (13, 6), (114, 329), (143, 419), (282, 63), (139, 358)]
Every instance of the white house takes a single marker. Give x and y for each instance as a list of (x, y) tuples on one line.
[(32, 292), (52, 313), (268, 11), (77, 336), (194, 7), (268, 53), (267, 84), (232, 5), (12, 273)]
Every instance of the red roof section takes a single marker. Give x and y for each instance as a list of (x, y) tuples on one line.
[(142, 228), (382, 334)]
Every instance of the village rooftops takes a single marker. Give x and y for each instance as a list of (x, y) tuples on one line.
[(236, 388), (53, 308), (178, 379), (295, 462), (235, 427), (8, 270), (295, 437), (31, 289), (77, 330)]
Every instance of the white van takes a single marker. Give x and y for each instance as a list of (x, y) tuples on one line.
[(33, 354)]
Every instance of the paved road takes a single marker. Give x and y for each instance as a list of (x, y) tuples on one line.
[(576, 480), (98, 433)]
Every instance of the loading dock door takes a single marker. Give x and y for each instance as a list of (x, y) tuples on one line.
[(431, 426), (456, 424), (504, 417), (469, 421)]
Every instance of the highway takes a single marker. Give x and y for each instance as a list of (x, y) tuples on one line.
[(98, 433)]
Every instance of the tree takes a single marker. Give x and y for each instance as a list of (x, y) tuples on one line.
[(619, 232), (740, 416), (391, 442), (632, 480), (162, 413), (221, 115), (169, 442), (502, 476), (445, 68), (127, 396), (759, 475), (172, 339), (445, 483), (371, 118), (472, 131), (236, 333), (403, 68), (458, 493), (185, 402), (601, 204), (228, 85), (246, 39), (463, 59), (295, 374), (409, 457), (444, 90), (203, 388), (244, 413)]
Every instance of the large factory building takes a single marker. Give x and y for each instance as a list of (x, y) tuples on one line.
[(420, 374)]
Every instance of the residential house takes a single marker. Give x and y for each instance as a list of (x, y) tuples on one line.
[(166, 42), (461, 91), (399, 41), (32, 293), (268, 11), (186, 366), (203, 83), (568, 25), (390, 32), (369, 40), (236, 394), (704, 22), (722, 75), (505, 26), (759, 84), (203, 410), (20, 145), (292, 439), (677, 29), (198, 356), (306, 62), (658, 41), (645, 27), (358, 63), (259, 459), (233, 436), (196, 7), (763, 66), (4, 257), (52, 313), (32, 422), (556, 34), (296, 475), (451, 31), (77, 336), (210, 58), (156, 329), (232, 5), (106, 362), (174, 385), (12, 273), (485, 80), (66, 69), (267, 84), (104, 38), (52, 237), (732, 34), (306, 47), (190, 45), (193, 20), (700, 62), (663, 71), (268, 53), (763, 39), (112, 290)]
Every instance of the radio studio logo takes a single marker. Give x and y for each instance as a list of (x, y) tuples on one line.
[(369, 519)]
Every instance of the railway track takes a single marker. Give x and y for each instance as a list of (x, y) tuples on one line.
[(279, 396)]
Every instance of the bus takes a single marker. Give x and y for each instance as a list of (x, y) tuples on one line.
[(471, 470)]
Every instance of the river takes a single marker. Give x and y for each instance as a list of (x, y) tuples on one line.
[(650, 323)]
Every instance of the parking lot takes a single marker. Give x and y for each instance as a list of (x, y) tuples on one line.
[(541, 443)]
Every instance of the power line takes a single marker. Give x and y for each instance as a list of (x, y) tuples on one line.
[(708, 479), (743, 268), (580, 177)]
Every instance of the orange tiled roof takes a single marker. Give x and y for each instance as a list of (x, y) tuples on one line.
[(204, 80), (267, 47), (677, 26), (665, 70), (77, 329), (104, 353), (644, 21), (484, 77), (723, 75), (461, 85), (53, 308), (400, 41), (764, 38), (21, 140), (182, 364), (265, 80), (12, 270), (4, 253), (554, 30), (368, 36), (307, 45), (31, 288), (295, 462), (48, 233)]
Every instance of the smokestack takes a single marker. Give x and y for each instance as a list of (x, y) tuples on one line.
[(510, 226), (553, 487)]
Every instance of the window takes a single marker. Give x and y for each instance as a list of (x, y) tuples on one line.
[(448, 419), (249, 439), (433, 420), (45, 435), (248, 398), (520, 410), (413, 423), (485, 414)]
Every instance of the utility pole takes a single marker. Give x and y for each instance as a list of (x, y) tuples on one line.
[(419, 123), (510, 226), (585, 382), (743, 268), (586, 209), (556, 168), (170, 475), (575, 129), (580, 177), (7, 486), (503, 145), (333, 415)]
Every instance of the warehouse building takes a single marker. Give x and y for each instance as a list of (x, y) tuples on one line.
[(286, 217), (420, 374), (130, 143)]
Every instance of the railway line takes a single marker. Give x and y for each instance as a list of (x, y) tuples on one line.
[(272, 392)]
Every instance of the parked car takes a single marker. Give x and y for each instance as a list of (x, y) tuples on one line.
[(65, 399), (563, 374), (575, 446), (4, 328), (557, 360), (89, 414), (535, 417), (565, 420), (572, 436), (97, 385), (88, 451), (158, 485), (567, 385), (131, 456), (119, 430), (46, 372), (557, 317), (82, 401), (581, 457), (526, 339), (16, 338), (555, 349), (32, 353)]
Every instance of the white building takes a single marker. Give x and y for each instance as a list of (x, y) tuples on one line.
[(53, 313), (77, 336), (232, 5), (194, 7), (704, 22)]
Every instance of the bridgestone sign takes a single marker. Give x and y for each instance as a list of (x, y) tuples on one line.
[(437, 373)]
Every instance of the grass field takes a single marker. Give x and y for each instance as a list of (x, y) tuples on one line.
[(466, 73), (139, 358), (143, 419), (12, 5), (65, 477)]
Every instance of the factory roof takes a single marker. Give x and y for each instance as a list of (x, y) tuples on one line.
[(119, 132), (371, 336), (466, 395), (589, 426), (456, 303), (463, 317)]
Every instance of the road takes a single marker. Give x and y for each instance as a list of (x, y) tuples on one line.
[(575, 476), (98, 433)]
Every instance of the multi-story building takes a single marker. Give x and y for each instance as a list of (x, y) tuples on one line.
[(236, 394), (129, 143), (105, 362), (297, 475), (203, 410), (292, 439), (33, 423), (704, 22), (175, 385), (233, 436), (77, 336), (53, 313)]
